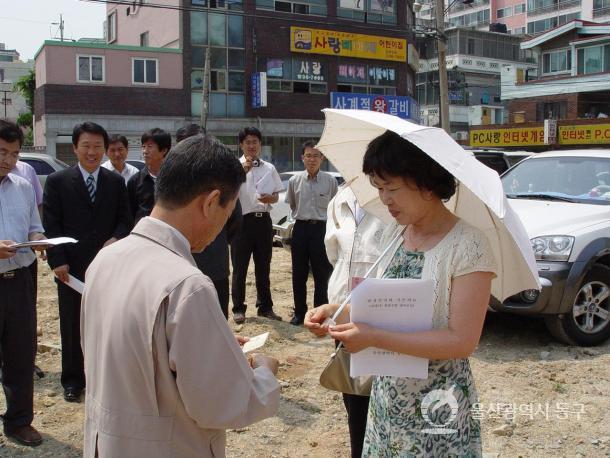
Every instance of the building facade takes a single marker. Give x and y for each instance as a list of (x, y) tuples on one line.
[(128, 90), (569, 91), (315, 54), (12, 103), (475, 60), (519, 16)]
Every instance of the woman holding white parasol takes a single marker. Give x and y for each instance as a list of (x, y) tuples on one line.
[(436, 245)]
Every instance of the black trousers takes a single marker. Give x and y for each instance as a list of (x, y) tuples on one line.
[(357, 410), (307, 249), (72, 365), (255, 239), (18, 342), (222, 289)]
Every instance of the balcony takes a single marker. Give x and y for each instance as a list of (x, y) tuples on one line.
[(558, 6)]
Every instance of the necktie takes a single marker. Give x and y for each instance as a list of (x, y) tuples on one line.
[(91, 187)]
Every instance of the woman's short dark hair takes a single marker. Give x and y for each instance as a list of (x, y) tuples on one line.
[(11, 132), (89, 128), (197, 165), (391, 155), (159, 137), (116, 138), (249, 131)]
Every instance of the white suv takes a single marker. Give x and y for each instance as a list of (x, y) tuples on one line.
[(563, 200)]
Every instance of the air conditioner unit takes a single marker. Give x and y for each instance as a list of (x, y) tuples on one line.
[(461, 135)]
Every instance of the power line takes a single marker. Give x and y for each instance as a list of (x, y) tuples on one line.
[(315, 22)]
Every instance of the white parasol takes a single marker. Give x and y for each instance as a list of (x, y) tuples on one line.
[(479, 199)]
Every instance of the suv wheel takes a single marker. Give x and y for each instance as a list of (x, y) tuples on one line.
[(588, 323)]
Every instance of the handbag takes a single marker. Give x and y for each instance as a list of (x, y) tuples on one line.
[(335, 375)]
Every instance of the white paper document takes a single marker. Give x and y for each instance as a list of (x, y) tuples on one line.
[(403, 305), (75, 284), (50, 242), (255, 342), (266, 185)]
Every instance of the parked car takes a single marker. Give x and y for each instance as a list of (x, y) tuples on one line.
[(563, 200), (137, 163), (43, 164), (499, 160), (281, 215)]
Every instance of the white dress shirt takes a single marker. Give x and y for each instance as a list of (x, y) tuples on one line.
[(128, 171), (248, 193), (19, 218)]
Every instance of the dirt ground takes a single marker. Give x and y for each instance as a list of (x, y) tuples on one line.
[(517, 367)]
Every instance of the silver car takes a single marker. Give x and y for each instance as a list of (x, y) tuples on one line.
[(43, 164)]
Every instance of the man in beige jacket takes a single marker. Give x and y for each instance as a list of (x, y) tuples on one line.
[(165, 374)]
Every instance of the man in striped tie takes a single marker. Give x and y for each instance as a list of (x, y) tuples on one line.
[(89, 203)]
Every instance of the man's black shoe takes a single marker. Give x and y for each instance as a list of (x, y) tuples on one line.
[(72, 394), (297, 320), (268, 314), (25, 435)]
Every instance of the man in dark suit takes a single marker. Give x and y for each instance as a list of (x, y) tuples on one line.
[(89, 203)]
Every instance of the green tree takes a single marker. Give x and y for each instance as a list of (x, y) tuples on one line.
[(26, 85), (25, 120)]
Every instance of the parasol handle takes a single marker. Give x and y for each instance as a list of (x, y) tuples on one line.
[(331, 320)]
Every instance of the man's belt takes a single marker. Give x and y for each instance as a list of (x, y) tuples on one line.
[(257, 214), (311, 221), (10, 274)]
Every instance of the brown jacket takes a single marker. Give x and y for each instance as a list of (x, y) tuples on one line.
[(165, 375)]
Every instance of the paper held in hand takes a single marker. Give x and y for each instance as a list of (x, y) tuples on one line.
[(402, 305), (45, 242), (255, 342), (266, 185)]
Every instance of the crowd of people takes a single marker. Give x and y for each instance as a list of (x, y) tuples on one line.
[(161, 237)]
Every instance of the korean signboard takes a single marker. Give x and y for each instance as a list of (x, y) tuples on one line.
[(308, 70), (588, 134), (259, 89), (335, 43), (523, 136), (401, 106), (348, 73)]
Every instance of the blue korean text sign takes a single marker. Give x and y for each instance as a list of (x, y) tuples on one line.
[(259, 89), (402, 106)]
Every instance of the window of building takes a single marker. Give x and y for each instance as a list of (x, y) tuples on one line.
[(90, 69), (219, 4), (1, 74), (519, 9), (144, 39), (471, 19), (373, 11), (549, 23), (519, 31), (557, 61), (593, 59), (145, 71), (551, 110), (111, 27), (306, 76), (224, 34), (313, 7), (505, 12)]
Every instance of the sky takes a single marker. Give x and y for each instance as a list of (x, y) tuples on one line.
[(27, 23)]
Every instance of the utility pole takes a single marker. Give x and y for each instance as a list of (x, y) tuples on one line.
[(443, 86), (61, 27), (205, 90)]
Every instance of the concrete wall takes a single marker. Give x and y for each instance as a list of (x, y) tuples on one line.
[(162, 25), (57, 65)]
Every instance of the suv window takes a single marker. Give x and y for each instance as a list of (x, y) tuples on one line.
[(493, 161), (41, 167), (581, 179)]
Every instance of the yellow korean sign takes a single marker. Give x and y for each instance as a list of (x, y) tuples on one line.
[(334, 43), (522, 136), (588, 134)]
